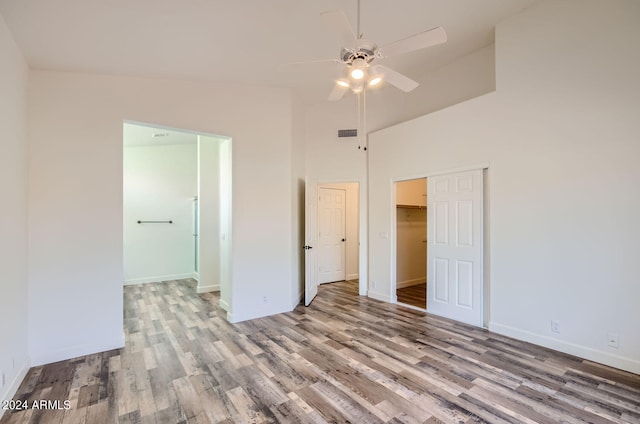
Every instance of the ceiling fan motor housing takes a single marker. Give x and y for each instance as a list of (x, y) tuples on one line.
[(365, 50)]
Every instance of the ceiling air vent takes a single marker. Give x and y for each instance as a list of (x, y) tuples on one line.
[(348, 133)]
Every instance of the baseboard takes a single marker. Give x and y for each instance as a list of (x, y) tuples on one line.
[(591, 354), (409, 283), (12, 388), (379, 296), (224, 305), (207, 289), (76, 351), (415, 308), (239, 317), (350, 277), (159, 278)]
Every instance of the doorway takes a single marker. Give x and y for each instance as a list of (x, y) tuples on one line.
[(332, 234), (453, 227), (411, 242), (176, 207)]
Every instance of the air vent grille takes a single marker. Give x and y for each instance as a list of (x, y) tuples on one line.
[(348, 133)]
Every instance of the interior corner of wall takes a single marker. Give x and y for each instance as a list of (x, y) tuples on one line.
[(297, 300), (12, 387)]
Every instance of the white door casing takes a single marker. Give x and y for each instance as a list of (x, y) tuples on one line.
[(310, 241), (455, 246), (331, 235)]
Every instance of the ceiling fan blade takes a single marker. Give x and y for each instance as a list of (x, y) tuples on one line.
[(337, 93), (421, 40), (395, 78), (338, 23)]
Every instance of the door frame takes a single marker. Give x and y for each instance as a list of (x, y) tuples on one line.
[(363, 226), (225, 224), (485, 233)]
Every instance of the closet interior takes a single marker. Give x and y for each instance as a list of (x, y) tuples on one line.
[(411, 242)]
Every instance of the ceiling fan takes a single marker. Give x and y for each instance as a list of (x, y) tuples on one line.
[(359, 55)]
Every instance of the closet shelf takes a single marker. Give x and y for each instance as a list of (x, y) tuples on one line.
[(411, 207)]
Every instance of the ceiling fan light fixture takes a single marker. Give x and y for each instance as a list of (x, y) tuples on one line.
[(343, 83), (357, 69), (357, 86), (357, 74), (375, 81)]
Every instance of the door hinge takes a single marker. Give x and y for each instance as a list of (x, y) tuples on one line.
[(307, 247)]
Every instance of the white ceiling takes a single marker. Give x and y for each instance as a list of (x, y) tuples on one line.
[(238, 41)]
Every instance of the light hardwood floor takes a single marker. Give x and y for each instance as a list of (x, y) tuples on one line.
[(344, 359), (413, 295)]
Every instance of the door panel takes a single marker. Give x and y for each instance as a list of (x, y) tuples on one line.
[(331, 235), (455, 246), (441, 223), (441, 280), (464, 284)]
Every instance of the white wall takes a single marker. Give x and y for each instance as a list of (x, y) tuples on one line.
[(75, 217), (159, 185), (209, 214), (14, 360), (331, 159), (560, 136), (334, 159)]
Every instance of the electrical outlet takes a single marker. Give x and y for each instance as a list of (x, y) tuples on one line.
[(555, 326), (613, 340), (373, 284), (265, 299)]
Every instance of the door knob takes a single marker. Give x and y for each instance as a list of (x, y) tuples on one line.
[(342, 239)]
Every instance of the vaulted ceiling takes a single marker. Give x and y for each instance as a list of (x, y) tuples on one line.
[(238, 41)]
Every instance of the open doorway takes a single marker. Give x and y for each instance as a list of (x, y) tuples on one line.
[(332, 234), (338, 226), (176, 207), (411, 242), (452, 230)]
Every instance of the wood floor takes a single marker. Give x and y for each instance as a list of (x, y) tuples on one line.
[(413, 295), (344, 359)]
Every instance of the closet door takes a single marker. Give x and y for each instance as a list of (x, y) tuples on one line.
[(455, 246)]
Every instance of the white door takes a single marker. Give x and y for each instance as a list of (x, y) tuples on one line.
[(455, 246), (310, 239), (331, 235)]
